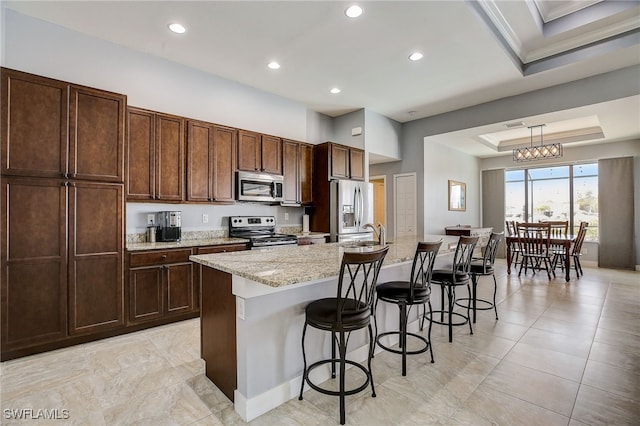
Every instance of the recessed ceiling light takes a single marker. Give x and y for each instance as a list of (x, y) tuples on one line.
[(177, 28), (335, 90), (273, 65), (416, 56), (353, 11)]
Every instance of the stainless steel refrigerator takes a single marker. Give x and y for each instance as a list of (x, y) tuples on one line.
[(351, 207)]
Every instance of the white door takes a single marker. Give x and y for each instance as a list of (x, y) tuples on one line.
[(405, 204)]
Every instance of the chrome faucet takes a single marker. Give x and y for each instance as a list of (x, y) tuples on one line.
[(381, 233)]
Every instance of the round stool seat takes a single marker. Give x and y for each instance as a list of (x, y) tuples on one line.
[(395, 291), (322, 313)]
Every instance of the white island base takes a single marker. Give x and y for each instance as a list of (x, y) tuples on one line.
[(252, 331)]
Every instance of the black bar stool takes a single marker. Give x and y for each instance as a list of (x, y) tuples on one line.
[(448, 280), (417, 291), (483, 267), (350, 310)]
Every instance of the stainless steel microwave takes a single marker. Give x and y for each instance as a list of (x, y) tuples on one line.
[(259, 187)]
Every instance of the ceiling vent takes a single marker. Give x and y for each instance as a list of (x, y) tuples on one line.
[(514, 125)]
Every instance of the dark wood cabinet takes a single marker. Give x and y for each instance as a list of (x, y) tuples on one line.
[(145, 294), (297, 166), (161, 284), (223, 248), (56, 129), (63, 213), (356, 164), (96, 134), (155, 156), (248, 151), (271, 154), (334, 161), (305, 155), (164, 283), (211, 162), (339, 161), (96, 287), (35, 125), (141, 155), (259, 153), (62, 269), (34, 262), (291, 171)]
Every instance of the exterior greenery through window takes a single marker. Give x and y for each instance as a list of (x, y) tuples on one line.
[(554, 193)]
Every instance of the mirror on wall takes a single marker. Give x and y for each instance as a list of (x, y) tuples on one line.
[(457, 196)]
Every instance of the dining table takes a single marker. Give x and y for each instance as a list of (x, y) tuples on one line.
[(564, 241)]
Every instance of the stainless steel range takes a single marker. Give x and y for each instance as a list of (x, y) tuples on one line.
[(260, 231)]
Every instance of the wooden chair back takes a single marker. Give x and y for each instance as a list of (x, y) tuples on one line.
[(559, 228), (534, 238)]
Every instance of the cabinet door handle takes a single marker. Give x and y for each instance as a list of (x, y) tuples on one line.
[(164, 257)]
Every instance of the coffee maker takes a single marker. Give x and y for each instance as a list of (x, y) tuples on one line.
[(169, 226)]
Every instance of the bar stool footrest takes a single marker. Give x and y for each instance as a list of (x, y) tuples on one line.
[(487, 304), (430, 319), (332, 392), (398, 351)]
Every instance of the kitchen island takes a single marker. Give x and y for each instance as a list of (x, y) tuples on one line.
[(252, 313)]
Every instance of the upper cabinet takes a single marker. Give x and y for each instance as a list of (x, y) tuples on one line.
[(155, 156), (259, 153), (211, 162), (297, 168), (56, 129), (339, 161)]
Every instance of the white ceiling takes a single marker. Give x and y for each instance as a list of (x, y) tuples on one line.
[(318, 47)]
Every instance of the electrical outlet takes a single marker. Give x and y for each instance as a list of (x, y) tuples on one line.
[(240, 308), (205, 218), (286, 217), (151, 218)]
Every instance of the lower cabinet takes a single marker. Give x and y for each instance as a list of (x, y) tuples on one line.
[(164, 283), (161, 284)]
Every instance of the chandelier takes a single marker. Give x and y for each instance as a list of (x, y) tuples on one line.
[(537, 152)]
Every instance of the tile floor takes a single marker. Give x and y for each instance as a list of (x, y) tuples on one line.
[(565, 354)]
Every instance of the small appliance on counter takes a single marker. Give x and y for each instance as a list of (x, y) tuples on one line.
[(168, 226)]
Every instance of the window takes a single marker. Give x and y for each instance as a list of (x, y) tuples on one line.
[(554, 193)]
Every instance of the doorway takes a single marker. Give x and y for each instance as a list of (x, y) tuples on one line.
[(404, 188), (379, 199)]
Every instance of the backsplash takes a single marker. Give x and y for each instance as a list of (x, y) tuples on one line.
[(136, 238)]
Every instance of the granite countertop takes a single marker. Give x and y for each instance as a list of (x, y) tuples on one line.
[(284, 266), (186, 244)]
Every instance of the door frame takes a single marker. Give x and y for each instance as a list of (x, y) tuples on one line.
[(384, 182), (395, 200)]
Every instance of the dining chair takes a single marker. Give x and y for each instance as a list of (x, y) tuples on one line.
[(483, 267), (559, 229), (576, 251), (534, 242), (515, 249), (416, 291), (349, 311), (450, 278)]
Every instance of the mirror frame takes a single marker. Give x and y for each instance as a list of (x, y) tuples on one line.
[(457, 196)]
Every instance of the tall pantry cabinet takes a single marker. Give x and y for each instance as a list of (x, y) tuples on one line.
[(62, 212)]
